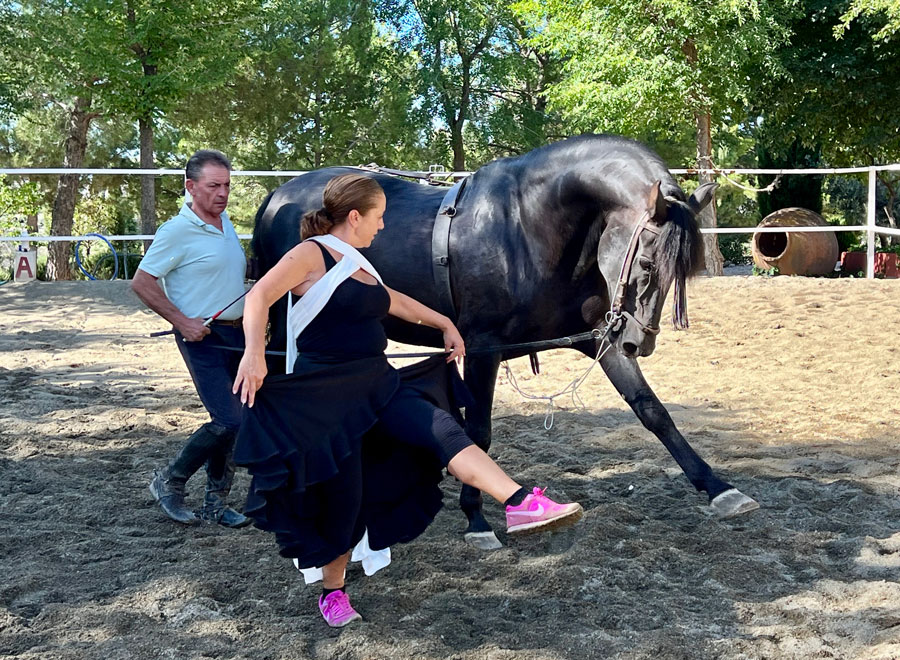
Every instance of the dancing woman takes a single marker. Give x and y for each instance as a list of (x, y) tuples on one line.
[(346, 451)]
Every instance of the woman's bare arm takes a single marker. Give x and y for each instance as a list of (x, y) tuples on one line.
[(292, 270), (409, 309)]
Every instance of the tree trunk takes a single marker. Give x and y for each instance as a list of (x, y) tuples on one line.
[(148, 181), (59, 266), (713, 256), (456, 119), (459, 149)]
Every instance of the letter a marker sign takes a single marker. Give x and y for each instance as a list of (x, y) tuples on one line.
[(24, 266)]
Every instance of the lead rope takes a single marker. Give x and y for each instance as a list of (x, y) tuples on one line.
[(571, 388)]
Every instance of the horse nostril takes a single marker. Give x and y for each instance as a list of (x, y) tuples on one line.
[(629, 348)]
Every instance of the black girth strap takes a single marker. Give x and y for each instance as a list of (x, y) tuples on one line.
[(440, 248)]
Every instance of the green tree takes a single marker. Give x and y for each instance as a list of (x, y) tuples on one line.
[(889, 9), (61, 56), (165, 51), (12, 70), (839, 96), (452, 39), (638, 67), (31, 139), (319, 85), (18, 201), (803, 190), (511, 115), (121, 58)]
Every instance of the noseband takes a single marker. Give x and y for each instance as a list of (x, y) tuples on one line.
[(617, 312)]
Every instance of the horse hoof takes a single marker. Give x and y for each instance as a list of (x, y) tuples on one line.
[(483, 540), (732, 503)]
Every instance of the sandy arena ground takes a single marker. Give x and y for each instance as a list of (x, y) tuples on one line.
[(787, 386)]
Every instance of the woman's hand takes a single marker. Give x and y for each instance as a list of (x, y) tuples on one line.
[(454, 343), (250, 375)]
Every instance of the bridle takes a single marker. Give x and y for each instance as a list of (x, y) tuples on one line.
[(617, 312)]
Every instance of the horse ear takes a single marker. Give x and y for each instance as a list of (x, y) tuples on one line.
[(702, 196), (656, 205)]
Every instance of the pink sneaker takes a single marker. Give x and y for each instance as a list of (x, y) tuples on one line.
[(538, 513), (337, 610)]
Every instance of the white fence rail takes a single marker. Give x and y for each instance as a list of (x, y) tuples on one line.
[(871, 227)]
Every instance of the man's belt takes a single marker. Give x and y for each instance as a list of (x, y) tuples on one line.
[(233, 323)]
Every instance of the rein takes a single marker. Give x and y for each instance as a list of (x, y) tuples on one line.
[(544, 344)]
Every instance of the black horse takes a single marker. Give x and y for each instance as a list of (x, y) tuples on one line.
[(587, 233)]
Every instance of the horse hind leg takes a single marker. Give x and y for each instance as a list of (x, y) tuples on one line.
[(479, 532), (480, 377)]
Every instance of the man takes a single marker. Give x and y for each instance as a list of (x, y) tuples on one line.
[(197, 258)]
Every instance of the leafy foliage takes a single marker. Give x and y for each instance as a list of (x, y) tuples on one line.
[(839, 96), (647, 68), (318, 85), (297, 84), (804, 190), (17, 200), (889, 9), (765, 272)]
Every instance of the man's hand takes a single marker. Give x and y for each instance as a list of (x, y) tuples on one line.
[(193, 329)]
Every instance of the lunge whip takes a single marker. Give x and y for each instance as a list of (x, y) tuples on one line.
[(207, 321)]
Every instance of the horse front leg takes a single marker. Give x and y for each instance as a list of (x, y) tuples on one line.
[(625, 374), (480, 377)]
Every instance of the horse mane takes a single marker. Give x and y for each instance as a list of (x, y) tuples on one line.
[(679, 255)]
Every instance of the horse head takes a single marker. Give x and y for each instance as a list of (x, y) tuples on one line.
[(641, 253)]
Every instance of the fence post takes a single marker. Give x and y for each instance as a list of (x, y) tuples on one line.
[(870, 223)]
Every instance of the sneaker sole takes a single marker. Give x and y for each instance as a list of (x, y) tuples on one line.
[(358, 617), (566, 520)]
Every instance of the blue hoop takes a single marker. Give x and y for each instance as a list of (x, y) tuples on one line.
[(112, 249)]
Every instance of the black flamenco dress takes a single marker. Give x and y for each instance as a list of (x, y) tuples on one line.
[(323, 473)]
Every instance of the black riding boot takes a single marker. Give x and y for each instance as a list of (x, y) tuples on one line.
[(167, 485), (220, 474)]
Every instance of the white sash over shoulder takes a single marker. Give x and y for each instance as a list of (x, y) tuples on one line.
[(298, 317)]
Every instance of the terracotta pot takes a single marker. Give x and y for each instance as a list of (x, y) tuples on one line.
[(887, 264), (853, 262), (795, 253)]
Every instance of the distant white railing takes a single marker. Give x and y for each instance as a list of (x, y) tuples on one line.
[(871, 228)]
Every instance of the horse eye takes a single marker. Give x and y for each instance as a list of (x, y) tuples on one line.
[(646, 264)]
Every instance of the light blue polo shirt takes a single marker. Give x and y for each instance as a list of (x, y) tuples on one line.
[(201, 268)]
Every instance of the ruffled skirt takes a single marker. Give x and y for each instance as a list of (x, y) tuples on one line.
[(322, 472)]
